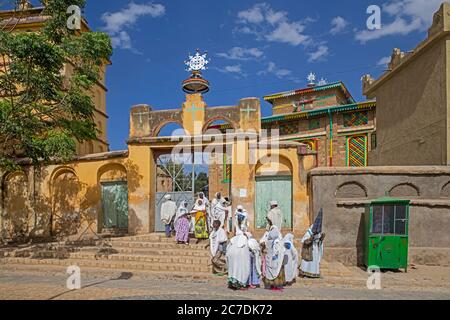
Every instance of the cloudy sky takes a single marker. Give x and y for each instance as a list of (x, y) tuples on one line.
[(256, 47)]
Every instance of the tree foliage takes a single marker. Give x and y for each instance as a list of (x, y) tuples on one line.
[(42, 112)]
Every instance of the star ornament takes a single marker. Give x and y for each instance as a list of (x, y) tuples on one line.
[(197, 62)]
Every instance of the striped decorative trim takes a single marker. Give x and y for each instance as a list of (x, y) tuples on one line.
[(310, 90), (357, 151), (320, 111), (310, 113)]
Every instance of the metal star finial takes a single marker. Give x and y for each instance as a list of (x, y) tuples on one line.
[(197, 62)]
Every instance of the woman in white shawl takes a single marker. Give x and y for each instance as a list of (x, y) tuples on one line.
[(217, 243), (238, 261), (274, 277), (219, 211), (291, 254), (201, 220), (181, 223), (255, 262), (312, 252), (241, 219)]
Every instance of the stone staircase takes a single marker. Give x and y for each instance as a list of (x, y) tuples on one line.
[(146, 253)]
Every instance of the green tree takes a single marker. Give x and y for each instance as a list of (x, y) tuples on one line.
[(42, 113), (201, 182)]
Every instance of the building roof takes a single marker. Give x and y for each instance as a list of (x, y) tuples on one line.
[(340, 85), (308, 113), (320, 111)]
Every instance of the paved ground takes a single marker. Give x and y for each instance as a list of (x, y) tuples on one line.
[(420, 282)]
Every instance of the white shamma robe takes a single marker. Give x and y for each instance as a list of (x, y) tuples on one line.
[(215, 239), (168, 210), (311, 269), (238, 261), (291, 266), (276, 216)]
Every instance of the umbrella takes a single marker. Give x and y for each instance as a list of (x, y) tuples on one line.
[(317, 226)]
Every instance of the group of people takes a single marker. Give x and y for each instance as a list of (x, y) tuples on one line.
[(273, 261), (198, 219)]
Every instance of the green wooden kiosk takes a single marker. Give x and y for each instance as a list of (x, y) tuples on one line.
[(386, 233)]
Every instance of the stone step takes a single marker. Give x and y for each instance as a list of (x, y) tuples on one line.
[(113, 264), (157, 245), (113, 273), (169, 259), (153, 251)]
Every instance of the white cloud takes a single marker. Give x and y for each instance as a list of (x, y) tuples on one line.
[(232, 69), (408, 16), (116, 23), (288, 33), (321, 52), (338, 24), (254, 14), (270, 25), (238, 53), (273, 69), (121, 40), (384, 61)]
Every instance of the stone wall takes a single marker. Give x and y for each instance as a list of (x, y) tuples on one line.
[(344, 192), (413, 101)]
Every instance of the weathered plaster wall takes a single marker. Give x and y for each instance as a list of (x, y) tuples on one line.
[(55, 191), (343, 193), (413, 102)]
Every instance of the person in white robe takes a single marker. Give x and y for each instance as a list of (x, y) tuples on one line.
[(241, 219), (312, 253), (238, 261), (275, 215), (168, 211), (255, 262), (219, 211), (217, 245), (207, 204), (201, 220), (216, 200), (274, 277), (291, 254)]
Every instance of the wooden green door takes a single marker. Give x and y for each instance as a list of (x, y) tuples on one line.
[(115, 205), (277, 188)]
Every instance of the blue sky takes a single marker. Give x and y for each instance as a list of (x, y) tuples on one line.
[(256, 47)]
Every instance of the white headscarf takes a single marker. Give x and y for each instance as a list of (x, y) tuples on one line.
[(291, 267), (275, 253), (199, 207), (254, 247)]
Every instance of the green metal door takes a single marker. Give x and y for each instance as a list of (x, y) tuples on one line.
[(388, 236), (277, 188), (115, 205)]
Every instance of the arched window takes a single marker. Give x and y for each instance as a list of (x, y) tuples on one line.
[(171, 129)]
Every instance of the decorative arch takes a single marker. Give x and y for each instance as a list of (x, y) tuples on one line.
[(351, 189), (445, 190), (112, 172), (210, 121), (404, 190), (282, 167), (156, 131), (65, 188)]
